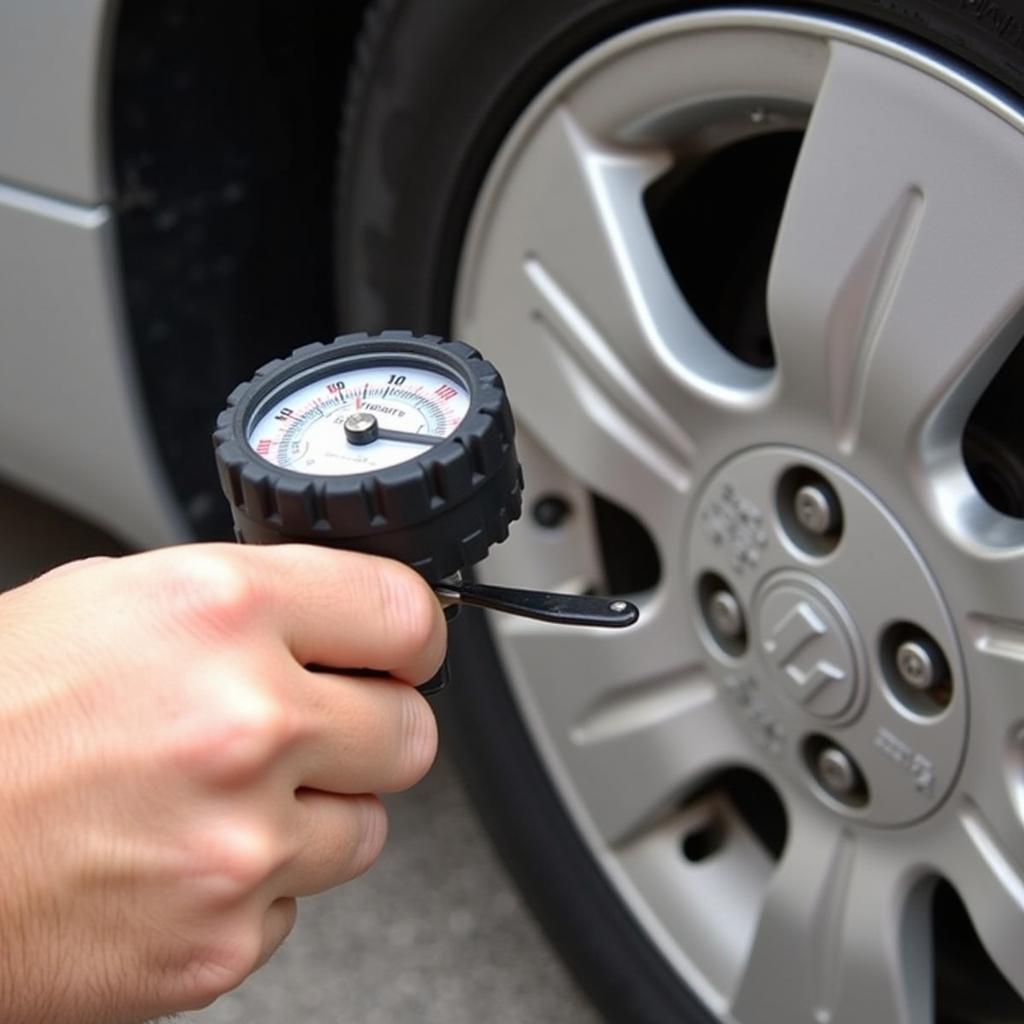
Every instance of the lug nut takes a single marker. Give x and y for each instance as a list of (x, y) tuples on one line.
[(916, 669), (918, 664), (725, 615), (814, 510), (837, 773), (722, 613), (809, 510)]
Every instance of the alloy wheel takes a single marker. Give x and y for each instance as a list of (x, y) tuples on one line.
[(815, 735)]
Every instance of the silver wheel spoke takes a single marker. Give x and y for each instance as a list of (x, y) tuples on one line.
[(633, 766), (779, 979), (886, 287), (634, 730), (995, 663), (591, 437), (882, 944), (990, 880), (575, 669), (993, 770), (579, 370), (995, 600), (572, 280), (830, 946)]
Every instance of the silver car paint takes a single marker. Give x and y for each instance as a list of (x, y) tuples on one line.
[(72, 424), (53, 90)]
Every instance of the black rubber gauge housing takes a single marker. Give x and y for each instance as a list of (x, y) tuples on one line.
[(439, 511)]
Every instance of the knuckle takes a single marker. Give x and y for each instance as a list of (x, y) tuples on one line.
[(212, 590), (239, 859), (239, 740), (220, 965)]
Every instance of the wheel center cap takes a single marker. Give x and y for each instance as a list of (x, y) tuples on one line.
[(805, 642), (822, 630)]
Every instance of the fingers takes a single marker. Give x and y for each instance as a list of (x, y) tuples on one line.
[(339, 838), (226, 952), (334, 608), (366, 736), (346, 610), (277, 926)]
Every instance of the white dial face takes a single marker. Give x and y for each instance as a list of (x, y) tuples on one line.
[(359, 420)]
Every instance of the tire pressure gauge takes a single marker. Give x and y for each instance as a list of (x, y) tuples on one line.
[(390, 444)]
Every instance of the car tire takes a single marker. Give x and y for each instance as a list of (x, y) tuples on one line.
[(432, 98)]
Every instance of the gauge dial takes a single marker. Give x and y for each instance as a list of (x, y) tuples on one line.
[(359, 419)]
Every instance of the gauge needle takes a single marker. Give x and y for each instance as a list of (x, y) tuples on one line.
[(383, 434)]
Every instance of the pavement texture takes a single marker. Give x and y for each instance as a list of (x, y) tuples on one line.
[(434, 933)]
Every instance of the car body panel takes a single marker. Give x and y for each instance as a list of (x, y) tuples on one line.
[(67, 375), (53, 82)]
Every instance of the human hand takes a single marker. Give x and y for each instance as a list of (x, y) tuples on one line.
[(172, 776)]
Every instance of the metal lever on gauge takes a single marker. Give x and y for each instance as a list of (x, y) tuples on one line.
[(564, 609)]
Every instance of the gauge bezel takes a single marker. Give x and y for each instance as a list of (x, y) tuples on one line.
[(439, 511), (306, 363)]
